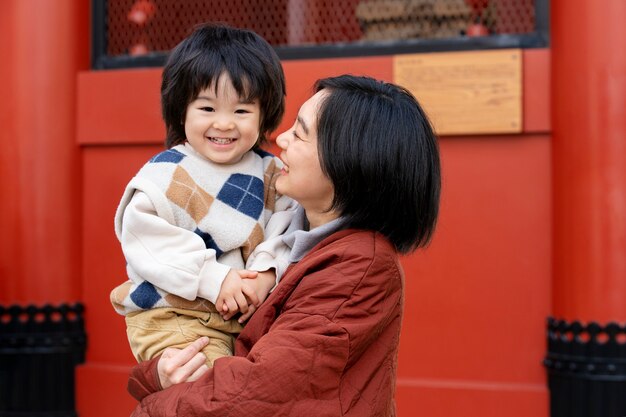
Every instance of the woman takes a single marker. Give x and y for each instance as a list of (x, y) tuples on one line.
[(362, 161)]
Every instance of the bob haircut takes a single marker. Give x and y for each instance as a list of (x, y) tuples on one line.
[(200, 59), (379, 150)]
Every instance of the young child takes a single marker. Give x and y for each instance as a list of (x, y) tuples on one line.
[(200, 212)]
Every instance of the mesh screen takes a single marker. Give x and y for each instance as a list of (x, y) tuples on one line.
[(136, 27)]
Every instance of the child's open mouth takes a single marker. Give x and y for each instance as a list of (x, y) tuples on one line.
[(221, 141)]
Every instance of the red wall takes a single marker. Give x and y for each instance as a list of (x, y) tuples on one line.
[(477, 298)]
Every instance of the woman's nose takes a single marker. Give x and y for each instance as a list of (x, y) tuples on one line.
[(282, 140)]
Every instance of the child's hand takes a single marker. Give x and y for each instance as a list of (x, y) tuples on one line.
[(262, 286), (235, 294)]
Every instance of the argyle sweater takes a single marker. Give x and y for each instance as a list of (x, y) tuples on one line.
[(184, 222)]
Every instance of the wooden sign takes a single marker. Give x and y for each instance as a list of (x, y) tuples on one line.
[(474, 92)]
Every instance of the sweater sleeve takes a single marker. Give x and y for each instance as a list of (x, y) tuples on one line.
[(169, 257), (296, 367), (273, 252)]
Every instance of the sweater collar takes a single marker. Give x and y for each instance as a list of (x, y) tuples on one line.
[(301, 241)]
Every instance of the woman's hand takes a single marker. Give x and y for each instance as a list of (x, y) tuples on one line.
[(182, 365)]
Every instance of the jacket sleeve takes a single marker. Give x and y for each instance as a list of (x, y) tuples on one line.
[(144, 379), (296, 367), (169, 257)]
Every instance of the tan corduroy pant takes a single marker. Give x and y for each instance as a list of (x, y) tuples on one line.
[(150, 332)]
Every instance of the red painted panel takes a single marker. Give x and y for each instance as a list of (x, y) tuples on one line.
[(478, 297), (111, 102), (536, 90), (431, 399), (121, 106), (101, 391), (107, 170)]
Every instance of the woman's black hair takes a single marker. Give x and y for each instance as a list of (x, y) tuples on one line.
[(210, 51), (378, 148)]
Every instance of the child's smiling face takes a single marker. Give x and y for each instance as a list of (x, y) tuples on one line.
[(219, 125)]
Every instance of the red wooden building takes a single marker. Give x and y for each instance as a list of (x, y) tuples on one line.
[(532, 225)]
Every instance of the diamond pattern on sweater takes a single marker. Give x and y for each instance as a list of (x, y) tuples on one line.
[(269, 178), (171, 155), (244, 193), (254, 239), (118, 295), (145, 295), (209, 242), (184, 192)]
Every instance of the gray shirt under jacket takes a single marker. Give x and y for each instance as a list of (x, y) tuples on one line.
[(301, 240)]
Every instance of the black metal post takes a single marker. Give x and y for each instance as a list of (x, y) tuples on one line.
[(586, 366), (39, 350)]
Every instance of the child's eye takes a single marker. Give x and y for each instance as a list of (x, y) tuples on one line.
[(206, 108), (242, 111)]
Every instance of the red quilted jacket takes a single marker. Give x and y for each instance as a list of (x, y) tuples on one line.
[(324, 343)]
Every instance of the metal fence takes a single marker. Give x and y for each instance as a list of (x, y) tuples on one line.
[(39, 349), (141, 32), (586, 364)]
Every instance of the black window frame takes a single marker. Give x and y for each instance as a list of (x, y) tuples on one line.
[(539, 38)]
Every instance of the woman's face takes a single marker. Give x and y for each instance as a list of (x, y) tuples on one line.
[(302, 178)]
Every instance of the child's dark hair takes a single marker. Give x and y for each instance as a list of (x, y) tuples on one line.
[(378, 148), (210, 51)]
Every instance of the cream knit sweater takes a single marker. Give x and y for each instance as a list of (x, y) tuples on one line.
[(184, 222)]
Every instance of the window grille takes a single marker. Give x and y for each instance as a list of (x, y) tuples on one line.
[(141, 32)]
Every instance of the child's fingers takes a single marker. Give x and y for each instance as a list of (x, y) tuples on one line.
[(220, 304), (244, 317), (249, 292), (240, 298), (231, 303)]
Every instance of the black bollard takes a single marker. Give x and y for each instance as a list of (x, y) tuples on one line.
[(39, 350), (586, 366)]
